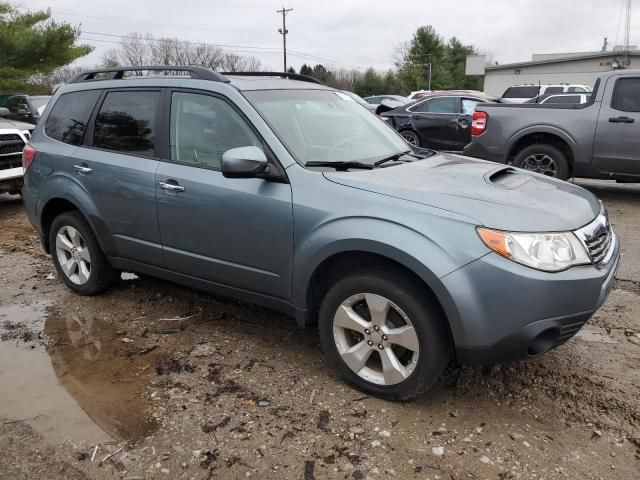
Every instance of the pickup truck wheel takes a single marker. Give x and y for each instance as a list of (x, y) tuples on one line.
[(544, 159), (77, 256), (410, 137), (381, 334)]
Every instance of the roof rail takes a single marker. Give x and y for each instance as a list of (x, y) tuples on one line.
[(117, 73), (290, 76)]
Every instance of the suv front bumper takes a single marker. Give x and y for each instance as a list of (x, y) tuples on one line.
[(511, 312)]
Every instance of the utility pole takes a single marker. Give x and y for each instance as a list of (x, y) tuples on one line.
[(627, 31), (283, 31)]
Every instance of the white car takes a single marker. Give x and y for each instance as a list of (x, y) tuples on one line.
[(524, 93), (13, 137)]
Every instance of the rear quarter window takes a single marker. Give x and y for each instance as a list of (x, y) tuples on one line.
[(521, 92), (69, 116)]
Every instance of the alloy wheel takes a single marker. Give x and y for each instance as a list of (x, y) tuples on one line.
[(376, 339), (541, 163), (410, 138), (73, 255)]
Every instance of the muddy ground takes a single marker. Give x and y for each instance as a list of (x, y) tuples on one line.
[(152, 380)]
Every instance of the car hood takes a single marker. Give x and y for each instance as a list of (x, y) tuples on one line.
[(12, 124), (491, 194)]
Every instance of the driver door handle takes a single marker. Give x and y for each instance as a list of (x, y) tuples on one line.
[(171, 187), (621, 120), (83, 169)]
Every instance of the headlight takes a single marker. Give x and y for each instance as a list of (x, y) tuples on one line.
[(550, 252)]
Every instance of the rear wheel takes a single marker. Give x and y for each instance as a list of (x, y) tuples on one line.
[(77, 256), (382, 335), (411, 137), (544, 159)]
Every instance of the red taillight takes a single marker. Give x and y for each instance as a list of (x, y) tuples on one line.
[(479, 123), (28, 153)]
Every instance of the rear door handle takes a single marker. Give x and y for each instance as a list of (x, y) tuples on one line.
[(622, 120), (171, 187), (83, 169)]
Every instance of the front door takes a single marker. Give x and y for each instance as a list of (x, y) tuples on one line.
[(617, 143), (116, 165), (235, 232), (436, 121)]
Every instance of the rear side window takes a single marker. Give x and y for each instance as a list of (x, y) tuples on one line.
[(438, 105), (570, 99), (126, 122), (69, 116), (626, 96), (577, 90), (521, 92), (552, 90)]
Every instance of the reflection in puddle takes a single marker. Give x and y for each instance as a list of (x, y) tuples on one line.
[(84, 385)]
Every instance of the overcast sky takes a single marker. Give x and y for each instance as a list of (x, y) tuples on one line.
[(352, 33)]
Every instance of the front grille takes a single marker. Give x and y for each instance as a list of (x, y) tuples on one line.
[(598, 246), (598, 238), (10, 143)]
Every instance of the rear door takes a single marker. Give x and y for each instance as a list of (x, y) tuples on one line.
[(617, 142), (116, 165), (436, 121), (236, 232)]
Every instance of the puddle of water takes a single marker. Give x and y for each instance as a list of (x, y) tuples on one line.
[(596, 335), (84, 389)]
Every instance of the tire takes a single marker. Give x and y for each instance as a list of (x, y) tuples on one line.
[(536, 158), (90, 272), (432, 339), (411, 137)]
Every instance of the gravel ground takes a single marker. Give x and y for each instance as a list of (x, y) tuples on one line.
[(152, 380)]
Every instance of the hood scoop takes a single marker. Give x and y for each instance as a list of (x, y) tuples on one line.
[(508, 178)]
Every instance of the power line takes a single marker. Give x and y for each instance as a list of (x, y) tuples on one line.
[(283, 31), (243, 48), (77, 13)]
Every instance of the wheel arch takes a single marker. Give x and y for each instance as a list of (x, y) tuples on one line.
[(66, 198), (544, 135), (339, 263)]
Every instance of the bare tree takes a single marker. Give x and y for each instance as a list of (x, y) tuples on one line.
[(139, 49)]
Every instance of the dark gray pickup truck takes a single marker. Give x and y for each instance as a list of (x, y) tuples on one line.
[(599, 139)]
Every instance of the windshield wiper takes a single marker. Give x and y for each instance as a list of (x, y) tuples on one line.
[(341, 165), (394, 157)]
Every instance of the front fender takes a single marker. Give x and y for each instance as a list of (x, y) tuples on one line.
[(418, 253)]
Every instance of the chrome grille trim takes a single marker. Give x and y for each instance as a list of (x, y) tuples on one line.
[(599, 239)]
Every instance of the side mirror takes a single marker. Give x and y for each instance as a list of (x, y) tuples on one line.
[(244, 162), (4, 112)]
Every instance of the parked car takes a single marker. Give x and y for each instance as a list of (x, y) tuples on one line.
[(598, 139), (418, 94), (441, 121), (566, 98), (296, 198), (13, 137), (524, 93), (26, 108), (360, 100), (378, 99)]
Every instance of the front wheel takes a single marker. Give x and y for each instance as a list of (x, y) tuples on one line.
[(544, 159), (382, 335)]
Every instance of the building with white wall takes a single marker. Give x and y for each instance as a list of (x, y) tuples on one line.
[(578, 68)]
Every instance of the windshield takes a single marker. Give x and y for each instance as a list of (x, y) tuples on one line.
[(326, 126)]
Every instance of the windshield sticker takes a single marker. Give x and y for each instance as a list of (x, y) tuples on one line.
[(344, 97)]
